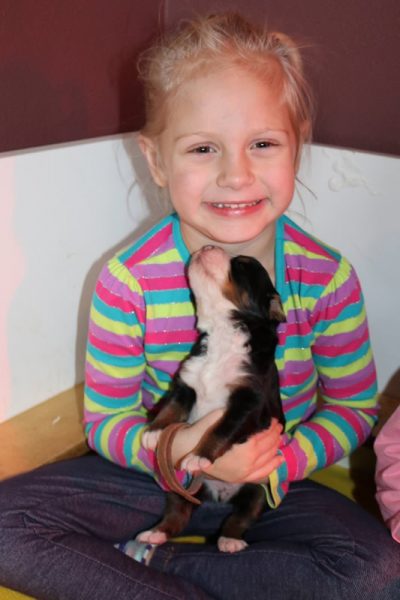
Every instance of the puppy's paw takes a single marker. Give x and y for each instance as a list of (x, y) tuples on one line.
[(152, 536), (226, 544), (150, 439), (192, 462)]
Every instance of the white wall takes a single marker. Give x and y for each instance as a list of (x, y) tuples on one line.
[(65, 209), (356, 208)]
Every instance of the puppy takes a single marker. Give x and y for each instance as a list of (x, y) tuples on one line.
[(231, 367)]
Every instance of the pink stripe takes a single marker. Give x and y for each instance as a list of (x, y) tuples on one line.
[(165, 283), (119, 442), (342, 339), (327, 441), (113, 299), (334, 310), (171, 337), (296, 459), (149, 247), (111, 391), (308, 277), (346, 349), (114, 350), (92, 433), (109, 337), (302, 399), (360, 426), (352, 390), (295, 378), (306, 242), (298, 328), (291, 461)]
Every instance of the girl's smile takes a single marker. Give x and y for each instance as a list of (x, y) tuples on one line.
[(233, 209), (227, 157)]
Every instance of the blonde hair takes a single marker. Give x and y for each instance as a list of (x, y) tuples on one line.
[(217, 41)]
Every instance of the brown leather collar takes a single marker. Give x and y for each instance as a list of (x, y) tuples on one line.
[(167, 468)]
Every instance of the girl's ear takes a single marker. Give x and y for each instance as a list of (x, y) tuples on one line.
[(150, 151), (305, 130), (305, 136)]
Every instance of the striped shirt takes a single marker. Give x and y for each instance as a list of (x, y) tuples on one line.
[(142, 325)]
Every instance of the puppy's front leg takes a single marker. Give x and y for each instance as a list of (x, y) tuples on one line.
[(240, 420), (174, 407)]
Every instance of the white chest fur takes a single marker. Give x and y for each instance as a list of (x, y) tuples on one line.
[(213, 373)]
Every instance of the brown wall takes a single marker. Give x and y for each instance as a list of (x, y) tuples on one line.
[(67, 67)]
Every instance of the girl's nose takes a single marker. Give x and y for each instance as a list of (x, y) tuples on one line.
[(235, 172)]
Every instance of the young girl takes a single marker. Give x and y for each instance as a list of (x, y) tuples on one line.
[(227, 115)]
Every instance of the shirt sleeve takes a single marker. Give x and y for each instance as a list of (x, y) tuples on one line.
[(347, 386), (387, 475), (114, 415)]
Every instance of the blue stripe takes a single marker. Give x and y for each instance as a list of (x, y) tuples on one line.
[(368, 394), (115, 314), (344, 427), (126, 253), (294, 341), (349, 312), (160, 375), (183, 348), (317, 444), (97, 437), (331, 251), (128, 447), (313, 290), (293, 390), (296, 413), (167, 296), (180, 244), (342, 360), (155, 391), (114, 360), (110, 402)]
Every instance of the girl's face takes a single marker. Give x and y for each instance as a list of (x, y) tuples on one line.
[(227, 157)]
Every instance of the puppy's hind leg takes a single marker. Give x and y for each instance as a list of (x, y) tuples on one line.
[(248, 505), (176, 517)]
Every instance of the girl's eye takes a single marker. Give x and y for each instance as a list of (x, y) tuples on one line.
[(202, 150), (264, 144)]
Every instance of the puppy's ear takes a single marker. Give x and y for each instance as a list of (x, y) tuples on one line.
[(276, 312)]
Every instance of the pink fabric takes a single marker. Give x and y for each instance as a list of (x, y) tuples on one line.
[(387, 449)]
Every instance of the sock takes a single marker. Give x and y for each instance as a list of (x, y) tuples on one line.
[(139, 551)]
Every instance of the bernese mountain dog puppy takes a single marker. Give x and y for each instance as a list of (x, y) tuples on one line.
[(231, 366)]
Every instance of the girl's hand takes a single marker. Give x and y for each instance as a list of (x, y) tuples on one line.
[(251, 462), (187, 439)]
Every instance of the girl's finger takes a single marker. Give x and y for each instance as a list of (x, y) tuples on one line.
[(264, 458), (269, 442), (261, 475)]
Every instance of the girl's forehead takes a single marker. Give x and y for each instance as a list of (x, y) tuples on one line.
[(231, 97)]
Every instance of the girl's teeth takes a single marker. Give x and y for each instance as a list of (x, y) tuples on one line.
[(235, 204)]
